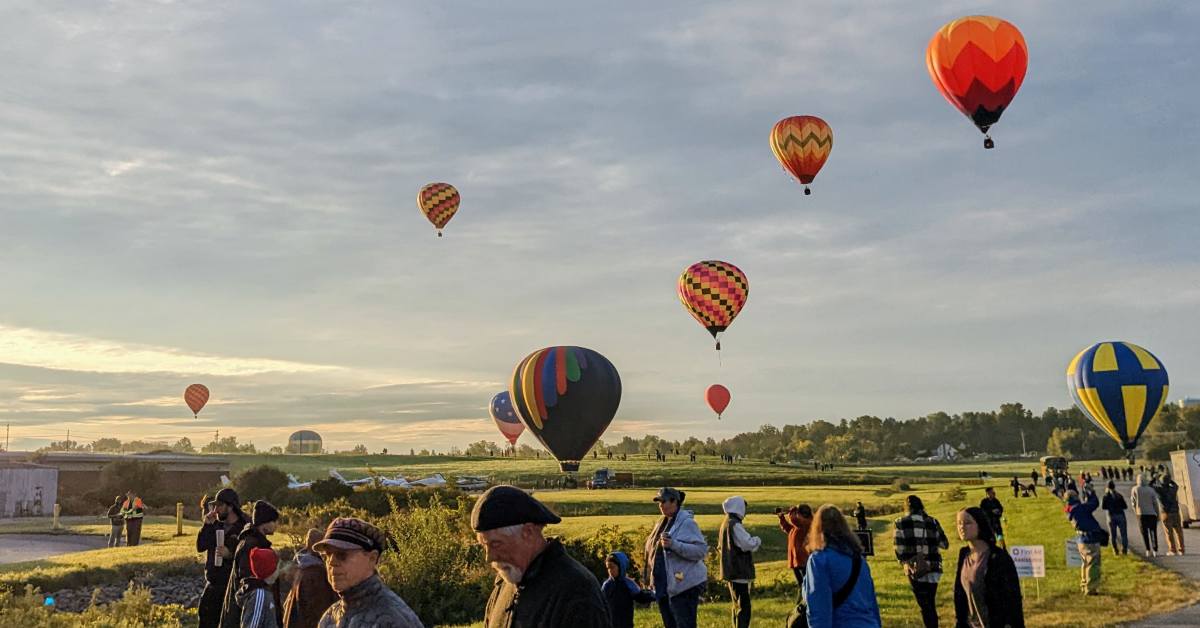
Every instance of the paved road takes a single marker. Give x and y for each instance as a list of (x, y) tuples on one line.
[(15, 548), (1187, 565)]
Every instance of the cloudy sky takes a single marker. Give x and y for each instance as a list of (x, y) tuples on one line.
[(222, 192)]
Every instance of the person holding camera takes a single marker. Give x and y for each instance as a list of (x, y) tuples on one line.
[(795, 522), (217, 539), (918, 539)]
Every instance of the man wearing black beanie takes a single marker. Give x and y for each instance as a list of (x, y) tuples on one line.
[(263, 522), (538, 583)]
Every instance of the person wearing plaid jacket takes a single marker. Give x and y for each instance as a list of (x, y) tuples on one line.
[(918, 539)]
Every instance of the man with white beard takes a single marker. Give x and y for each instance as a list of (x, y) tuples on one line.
[(538, 584)]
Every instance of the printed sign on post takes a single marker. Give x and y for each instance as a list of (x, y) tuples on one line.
[(1073, 557), (1030, 560)]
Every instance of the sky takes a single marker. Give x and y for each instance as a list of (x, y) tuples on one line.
[(223, 192)]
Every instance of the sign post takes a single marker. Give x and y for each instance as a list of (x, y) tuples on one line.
[(1031, 563)]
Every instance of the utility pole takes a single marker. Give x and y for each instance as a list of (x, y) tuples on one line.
[(1023, 453), (68, 443), (6, 428)]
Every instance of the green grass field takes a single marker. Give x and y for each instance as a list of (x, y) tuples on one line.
[(1132, 588)]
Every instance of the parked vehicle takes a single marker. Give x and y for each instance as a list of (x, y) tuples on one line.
[(1185, 468)]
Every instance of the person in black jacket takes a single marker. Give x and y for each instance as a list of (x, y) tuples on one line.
[(995, 513), (116, 520), (621, 592), (263, 523), (223, 518), (987, 591), (1114, 505)]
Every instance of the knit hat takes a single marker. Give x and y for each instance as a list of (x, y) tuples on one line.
[(347, 533), (263, 562), (229, 496), (503, 506), (264, 512)]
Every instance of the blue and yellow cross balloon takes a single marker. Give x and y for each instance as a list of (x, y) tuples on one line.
[(1120, 387)]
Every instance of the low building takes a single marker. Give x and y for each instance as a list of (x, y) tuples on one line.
[(1188, 402), (79, 472), (27, 490)]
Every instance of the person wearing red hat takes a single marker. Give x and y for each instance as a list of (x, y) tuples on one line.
[(255, 596)]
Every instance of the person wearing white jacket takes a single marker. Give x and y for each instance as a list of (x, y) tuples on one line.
[(737, 548), (1144, 501), (675, 552)]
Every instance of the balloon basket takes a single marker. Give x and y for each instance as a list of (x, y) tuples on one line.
[(569, 466), (988, 143), (807, 192)]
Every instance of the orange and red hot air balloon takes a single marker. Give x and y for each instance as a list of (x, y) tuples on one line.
[(439, 202), (196, 396), (978, 63), (802, 144), (717, 397)]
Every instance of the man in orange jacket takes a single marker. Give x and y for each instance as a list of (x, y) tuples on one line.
[(133, 510)]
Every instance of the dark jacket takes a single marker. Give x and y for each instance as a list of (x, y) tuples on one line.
[(231, 612), (257, 603), (1168, 496), (555, 591), (370, 604), (115, 516), (796, 526), (995, 512), (206, 541), (310, 594), (621, 593), (1082, 516), (735, 546), (1002, 593), (1114, 505)]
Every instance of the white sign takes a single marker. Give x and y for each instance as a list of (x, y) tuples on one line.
[(1030, 560), (1073, 557)]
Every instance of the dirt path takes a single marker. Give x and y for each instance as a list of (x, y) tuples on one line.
[(15, 548)]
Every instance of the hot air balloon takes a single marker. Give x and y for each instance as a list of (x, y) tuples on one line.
[(717, 397), (802, 144), (1120, 387), (714, 292), (978, 63), (196, 396), (506, 418), (566, 396), (438, 201)]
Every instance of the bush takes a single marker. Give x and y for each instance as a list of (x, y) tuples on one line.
[(955, 494), (261, 482), (330, 489), (899, 485), (134, 610), (435, 564), (119, 476)]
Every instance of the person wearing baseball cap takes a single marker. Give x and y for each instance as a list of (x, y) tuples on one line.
[(223, 519), (351, 548), (538, 583), (254, 596), (263, 523), (675, 553)]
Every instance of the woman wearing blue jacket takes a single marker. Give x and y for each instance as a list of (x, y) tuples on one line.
[(838, 588)]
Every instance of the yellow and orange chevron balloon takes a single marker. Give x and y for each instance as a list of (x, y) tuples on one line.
[(439, 202), (802, 144), (978, 63), (714, 292)]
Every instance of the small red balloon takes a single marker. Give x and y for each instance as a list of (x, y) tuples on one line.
[(717, 397)]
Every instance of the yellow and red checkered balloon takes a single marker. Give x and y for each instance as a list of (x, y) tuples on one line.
[(439, 202), (714, 292)]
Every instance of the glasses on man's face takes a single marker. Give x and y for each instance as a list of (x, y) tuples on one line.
[(341, 555)]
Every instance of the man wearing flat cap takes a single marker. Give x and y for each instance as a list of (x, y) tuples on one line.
[(351, 548), (538, 584)]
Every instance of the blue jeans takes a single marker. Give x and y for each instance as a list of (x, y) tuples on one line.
[(1117, 525), (679, 610)]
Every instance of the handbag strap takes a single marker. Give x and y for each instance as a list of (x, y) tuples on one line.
[(841, 595)]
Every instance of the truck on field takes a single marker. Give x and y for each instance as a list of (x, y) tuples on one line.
[(1185, 469), (605, 478), (1050, 464)]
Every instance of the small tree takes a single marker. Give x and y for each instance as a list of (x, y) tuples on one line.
[(120, 476), (262, 482), (330, 489), (183, 446)]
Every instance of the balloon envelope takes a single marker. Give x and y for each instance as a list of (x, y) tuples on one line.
[(1120, 387), (802, 144), (714, 292), (506, 418), (978, 63), (196, 396), (717, 397), (439, 202), (566, 396)]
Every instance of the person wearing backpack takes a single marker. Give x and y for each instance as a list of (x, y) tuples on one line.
[(838, 589), (736, 548), (918, 538)]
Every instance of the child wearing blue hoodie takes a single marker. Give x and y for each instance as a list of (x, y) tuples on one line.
[(620, 591)]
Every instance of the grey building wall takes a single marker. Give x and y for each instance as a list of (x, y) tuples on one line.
[(28, 490)]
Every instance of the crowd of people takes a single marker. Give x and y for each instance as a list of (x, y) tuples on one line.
[(333, 581)]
